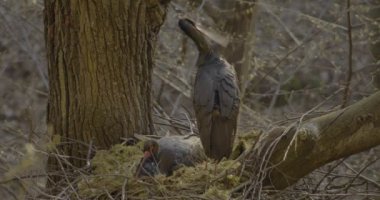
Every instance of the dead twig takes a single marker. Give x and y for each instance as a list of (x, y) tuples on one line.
[(359, 173), (327, 174), (88, 158), (362, 176)]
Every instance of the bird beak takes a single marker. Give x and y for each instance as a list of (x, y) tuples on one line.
[(214, 36)]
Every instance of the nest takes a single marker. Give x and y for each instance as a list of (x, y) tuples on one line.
[(113, 176)]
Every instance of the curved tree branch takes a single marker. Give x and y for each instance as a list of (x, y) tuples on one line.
[(304, 147)]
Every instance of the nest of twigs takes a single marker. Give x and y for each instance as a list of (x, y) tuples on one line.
[(114, 175)]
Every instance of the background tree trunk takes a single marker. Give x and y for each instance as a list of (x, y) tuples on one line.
[(100, 65), (237, 22), (374, 29)]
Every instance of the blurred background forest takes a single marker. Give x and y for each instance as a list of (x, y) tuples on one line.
[(297, 54)]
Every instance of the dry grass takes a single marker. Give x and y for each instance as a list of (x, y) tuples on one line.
[(111, 176)]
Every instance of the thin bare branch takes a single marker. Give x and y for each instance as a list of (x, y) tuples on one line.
[(346, 94)]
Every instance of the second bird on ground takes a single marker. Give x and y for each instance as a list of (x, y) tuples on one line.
[(216, 96)]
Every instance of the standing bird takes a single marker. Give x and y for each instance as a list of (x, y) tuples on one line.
[(216, 96)]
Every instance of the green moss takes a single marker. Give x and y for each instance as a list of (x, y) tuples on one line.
[(115, 168), (216, 193), (111, 170)]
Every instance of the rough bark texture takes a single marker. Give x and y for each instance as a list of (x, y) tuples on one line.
[(374, 29), (373, 26), (315, 142), (237, 19), (100, 65)]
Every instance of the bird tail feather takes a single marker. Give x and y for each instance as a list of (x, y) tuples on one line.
[(222, 133)]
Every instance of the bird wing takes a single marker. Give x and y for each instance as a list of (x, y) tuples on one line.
[(225, 124), (228, 91), (204, 88), (216, 83), (216, 88)]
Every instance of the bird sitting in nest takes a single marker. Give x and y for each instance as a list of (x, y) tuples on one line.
[(168, 154), (216, 96)]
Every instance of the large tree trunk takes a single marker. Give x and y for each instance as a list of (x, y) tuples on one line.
[(100, 65)]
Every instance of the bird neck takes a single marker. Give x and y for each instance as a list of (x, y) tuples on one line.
[(206, 58), (200, 39)]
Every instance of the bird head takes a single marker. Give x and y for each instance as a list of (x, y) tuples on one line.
[(185, 24), (150, 148), (148, 164)]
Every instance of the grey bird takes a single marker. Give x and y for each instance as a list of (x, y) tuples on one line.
[(216, 96), (168, 154)]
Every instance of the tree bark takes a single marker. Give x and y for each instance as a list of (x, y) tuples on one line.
[(300, 149), (374, 29), (99, 56)]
